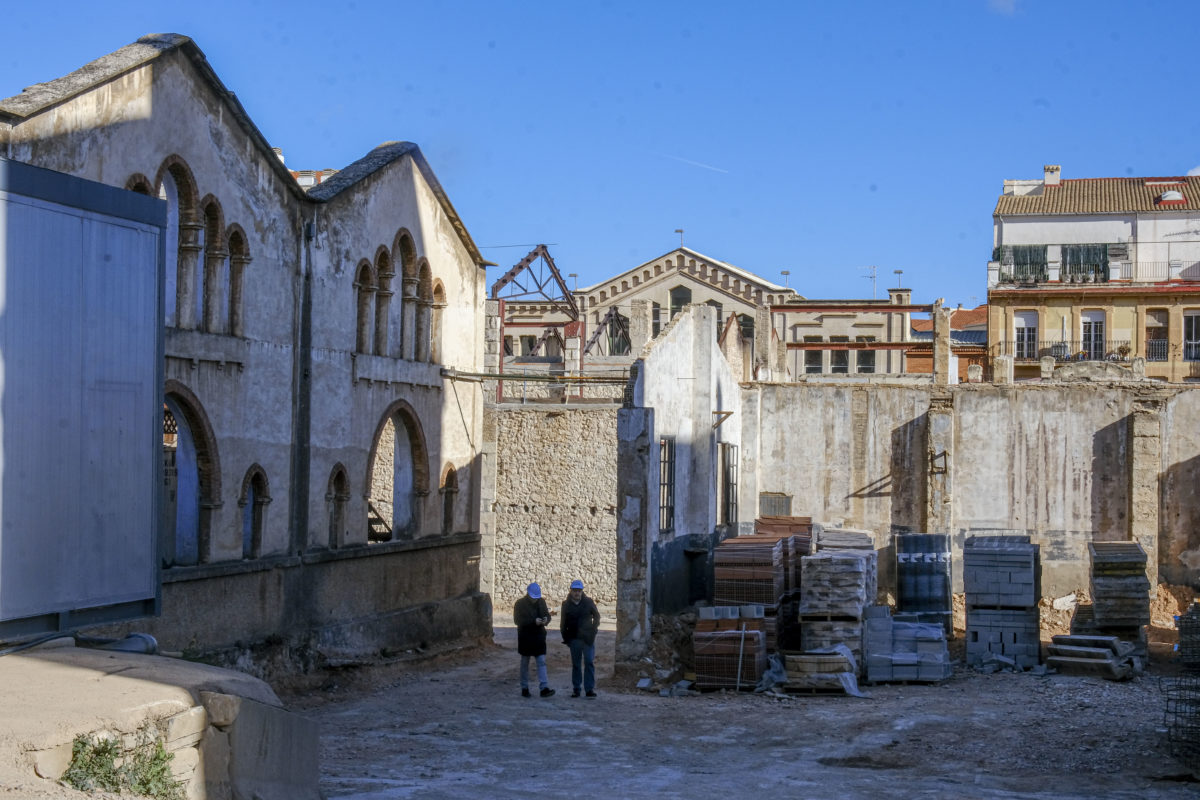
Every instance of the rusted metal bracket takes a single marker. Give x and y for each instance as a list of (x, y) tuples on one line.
[(721, 417)]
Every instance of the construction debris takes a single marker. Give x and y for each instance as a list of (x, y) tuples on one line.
[(1103, 656)]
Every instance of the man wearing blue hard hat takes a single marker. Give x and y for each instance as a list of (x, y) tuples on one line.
[(531, 617), (580, 621)]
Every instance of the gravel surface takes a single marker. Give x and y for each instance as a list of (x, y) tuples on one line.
[(457, 727)]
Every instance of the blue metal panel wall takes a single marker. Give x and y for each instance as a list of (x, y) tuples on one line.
[(80, 400)]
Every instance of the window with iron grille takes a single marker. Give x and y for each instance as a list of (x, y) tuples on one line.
[(813, 358), (774, 504), (727, 510), (1156, 335), (666, 484), (839, 360)]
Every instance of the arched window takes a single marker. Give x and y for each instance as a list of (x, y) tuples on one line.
[(398, 477), (239, 257), (337, 498), (404, 325), (177, 187), (364, 287), (680, 297), (449, 492), (139, 183), (383, 299), (435, 339), (210, 299), (424, 311), (255, 497), (192, 479)]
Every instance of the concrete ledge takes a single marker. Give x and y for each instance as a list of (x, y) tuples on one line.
[(228, 736)]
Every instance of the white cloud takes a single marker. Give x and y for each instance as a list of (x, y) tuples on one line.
[(1194, 171), (1006, 7)]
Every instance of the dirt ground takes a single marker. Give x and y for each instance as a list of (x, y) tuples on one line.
[(456, 726)]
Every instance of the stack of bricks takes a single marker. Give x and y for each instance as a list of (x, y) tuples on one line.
[(752, 570), (1120, 593), (903, 651), (835, 587), (797, 536), (729, 659), (1000, 579)]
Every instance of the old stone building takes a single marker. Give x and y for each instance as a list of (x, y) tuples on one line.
[(322, 470)]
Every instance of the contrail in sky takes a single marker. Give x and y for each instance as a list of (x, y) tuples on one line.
[(695, 163)]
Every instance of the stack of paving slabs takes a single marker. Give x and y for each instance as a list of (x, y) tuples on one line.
[(1000, 579), (1102, 656), (729, 659), (903, 651), (844, 539), (923, 588), (835, 587), (1120, 588)]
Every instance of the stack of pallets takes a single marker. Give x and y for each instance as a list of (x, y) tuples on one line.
[(797, 536), (923, 588), (835, 587), (1001, 582), (903, 651), (1120, 594), (751, 570)]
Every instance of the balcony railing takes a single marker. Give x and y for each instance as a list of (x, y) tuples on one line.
[(1063, 352), (1156, 349)]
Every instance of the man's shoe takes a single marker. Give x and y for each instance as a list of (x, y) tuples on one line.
[(575, 693), (591, 693), (547, 692), (525, 693)]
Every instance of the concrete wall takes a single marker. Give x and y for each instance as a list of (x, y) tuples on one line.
[(553, 504), (1054, 461)]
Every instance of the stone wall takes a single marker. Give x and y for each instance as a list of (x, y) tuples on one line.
[(554, 504)]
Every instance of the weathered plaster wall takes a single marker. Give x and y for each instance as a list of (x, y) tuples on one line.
[(555, 502), (287, 393)]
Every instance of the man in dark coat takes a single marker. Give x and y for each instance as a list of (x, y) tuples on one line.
[(531, 618), (580, 621)]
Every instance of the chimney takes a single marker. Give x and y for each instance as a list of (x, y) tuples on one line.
[(278, 152), (1052, 174)]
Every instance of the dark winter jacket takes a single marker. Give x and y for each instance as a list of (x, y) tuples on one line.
[(579, 620), (531, 637)]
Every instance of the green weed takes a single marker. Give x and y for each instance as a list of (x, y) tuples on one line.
[(104, 765)]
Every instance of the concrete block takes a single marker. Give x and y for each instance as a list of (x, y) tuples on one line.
[(215, 755), (222, 709), (274, 754), (184, 763), (185, 729)]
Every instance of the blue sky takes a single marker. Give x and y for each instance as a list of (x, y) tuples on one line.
[(817, 138)]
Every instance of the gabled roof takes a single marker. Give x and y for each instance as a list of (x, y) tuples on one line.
[(379, 158), (745, 275), (1104, 196), (38, 98)]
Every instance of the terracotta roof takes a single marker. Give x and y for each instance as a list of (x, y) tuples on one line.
[(958, 319), (1104, 196)]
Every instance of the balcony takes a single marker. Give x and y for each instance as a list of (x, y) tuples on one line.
[(1065, 351)]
